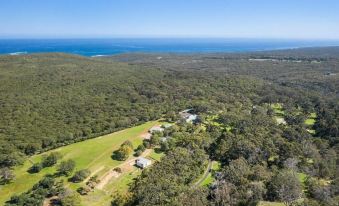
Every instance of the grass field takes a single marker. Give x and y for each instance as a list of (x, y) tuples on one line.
[(311, 119), (265, 203), (279, 113), (215, 167), (156, 155), (212, 120), (93, 154), (302, 178), (278, 109)]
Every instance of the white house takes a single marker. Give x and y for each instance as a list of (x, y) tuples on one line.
[(156, 129), (143, 162), (164, 139), (192, 118), (166, 126), (189, 117)]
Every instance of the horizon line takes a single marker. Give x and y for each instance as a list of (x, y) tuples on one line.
[(161, 37)]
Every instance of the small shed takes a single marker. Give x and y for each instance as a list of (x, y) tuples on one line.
[(143, 162)]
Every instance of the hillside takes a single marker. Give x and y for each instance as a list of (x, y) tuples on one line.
[(99, 162), (303, 68), (267, 121)]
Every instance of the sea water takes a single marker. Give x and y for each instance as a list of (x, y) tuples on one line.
[(100, 47)]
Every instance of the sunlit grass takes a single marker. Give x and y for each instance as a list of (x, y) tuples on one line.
[(90, 154)]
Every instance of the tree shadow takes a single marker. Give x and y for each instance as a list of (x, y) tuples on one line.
[(4, 182), (157, 150)]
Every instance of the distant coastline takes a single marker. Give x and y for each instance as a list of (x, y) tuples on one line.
[(104, 47)]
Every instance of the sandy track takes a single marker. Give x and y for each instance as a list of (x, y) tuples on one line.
[(93, 173), (146, 135), (126, 167), (207, 171)]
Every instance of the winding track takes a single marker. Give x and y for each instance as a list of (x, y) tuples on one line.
[(207, 171)]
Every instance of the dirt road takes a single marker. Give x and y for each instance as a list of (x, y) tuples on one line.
[(126, 167)]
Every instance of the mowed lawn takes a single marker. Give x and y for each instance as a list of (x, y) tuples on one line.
[(118, 185), (93, 154)]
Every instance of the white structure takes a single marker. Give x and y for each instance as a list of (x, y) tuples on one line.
[(164, 139), (143, 162), (146, 135), (186, 115), (192, 118), (156, 129), (166, 126)]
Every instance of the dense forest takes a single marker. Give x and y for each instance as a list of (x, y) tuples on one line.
[(50, 100)]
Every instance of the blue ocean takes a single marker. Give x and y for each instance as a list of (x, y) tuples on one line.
[(98, 47)]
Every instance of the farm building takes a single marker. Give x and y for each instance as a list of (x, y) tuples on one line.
[(188, 116), (143, 162), (166, 126), (192, 118), (164, 139), (156, 129)]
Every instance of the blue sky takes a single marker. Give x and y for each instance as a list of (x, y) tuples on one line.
[(301, 19)]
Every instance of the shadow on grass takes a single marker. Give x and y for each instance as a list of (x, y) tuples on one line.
[(157, 150), (5, 182)]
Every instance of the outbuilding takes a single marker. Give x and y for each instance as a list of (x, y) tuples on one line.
[(188, 115), (143, 162), (156, 129)]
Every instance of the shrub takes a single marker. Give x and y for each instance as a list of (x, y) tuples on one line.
[(37, 167), (127, 143), (80, 175), (84, 190), (66, 167), (118, 169), (6, 175), (146, 144), (141, 147), (93, 181), (51, 159), (137, 153), (122, 153)]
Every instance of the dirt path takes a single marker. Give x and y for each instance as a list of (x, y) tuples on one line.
[(146, 135), (143, 135), (126, 166), (29, 159), (50, 201), (107, 178), (207, 171), (93, 173)]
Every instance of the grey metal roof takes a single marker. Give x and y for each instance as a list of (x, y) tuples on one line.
[(143, 161)]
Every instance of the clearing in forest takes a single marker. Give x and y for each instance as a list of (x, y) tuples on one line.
[(93, 154)]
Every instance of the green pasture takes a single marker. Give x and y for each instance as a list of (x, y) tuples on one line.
[(311, 119), (215, 167), (93, 154), (278, 109)]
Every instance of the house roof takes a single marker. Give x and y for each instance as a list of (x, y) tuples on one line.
[(164, 139), (187, 115), (192, 117), (156, 128), (167, 125), (143, 161)]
